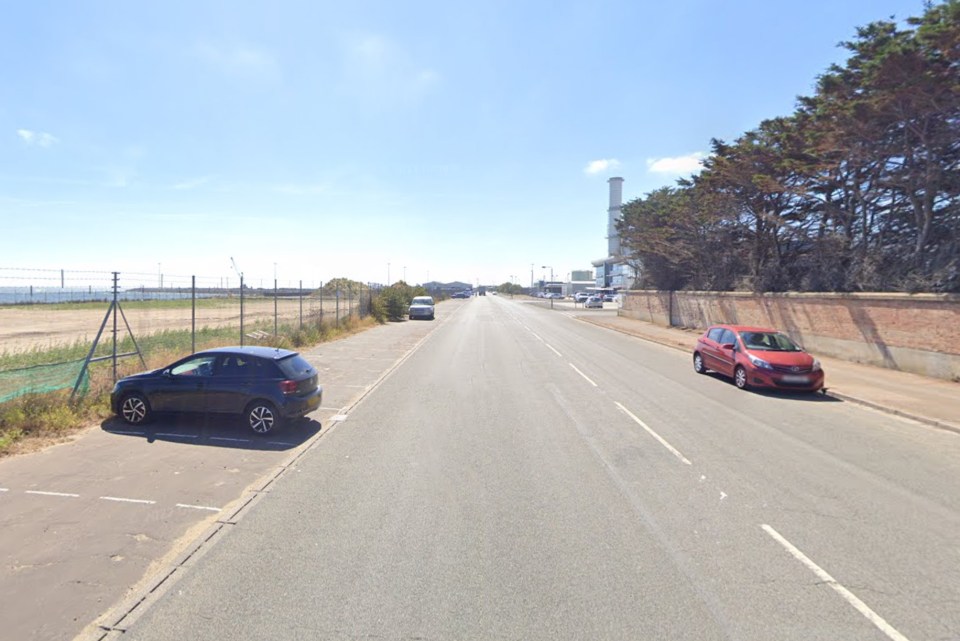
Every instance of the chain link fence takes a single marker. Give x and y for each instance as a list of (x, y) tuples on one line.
[(51, 319)]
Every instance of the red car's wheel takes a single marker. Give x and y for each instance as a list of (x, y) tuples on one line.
[(698, 365), (740, 377)]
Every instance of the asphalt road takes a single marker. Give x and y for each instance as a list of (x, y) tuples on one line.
[(523, 475), (83, 522)]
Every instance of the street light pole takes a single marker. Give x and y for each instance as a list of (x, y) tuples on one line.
[(551, 271)]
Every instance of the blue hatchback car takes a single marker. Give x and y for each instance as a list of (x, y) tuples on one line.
[(264, 384)]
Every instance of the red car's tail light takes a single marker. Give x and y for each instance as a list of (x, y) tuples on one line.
[(288, 387)]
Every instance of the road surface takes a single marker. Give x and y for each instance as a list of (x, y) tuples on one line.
[(523, 475)]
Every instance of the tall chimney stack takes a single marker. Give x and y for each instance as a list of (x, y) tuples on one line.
[(613, 215)]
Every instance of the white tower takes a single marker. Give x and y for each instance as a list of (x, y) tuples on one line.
[(613, 215)]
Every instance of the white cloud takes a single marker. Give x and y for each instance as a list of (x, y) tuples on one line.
[(291, 189), (379, 70), (602, 165), (689, 164), (239, 61), (39, 138), (192, 184)]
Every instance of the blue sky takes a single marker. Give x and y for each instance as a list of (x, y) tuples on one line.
[(450, 140)]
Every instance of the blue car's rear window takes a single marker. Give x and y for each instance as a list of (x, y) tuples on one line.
[(296, 367)]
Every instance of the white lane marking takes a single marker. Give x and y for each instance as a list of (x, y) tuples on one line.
[(582, 374), (662, 441), (536, 336), (554, 351), (3, 489), (849, 596), (231, 440), (328, 409), (70, 496), (123, 500), (198, 507), (175, 435), (338, 417)]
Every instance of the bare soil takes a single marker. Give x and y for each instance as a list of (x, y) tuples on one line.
[(39, 326)]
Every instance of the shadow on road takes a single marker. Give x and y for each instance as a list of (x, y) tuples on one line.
[(810, 397), (216, 431)]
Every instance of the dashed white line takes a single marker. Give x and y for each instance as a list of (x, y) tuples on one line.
[(582, 374), (662, 441), (553, 350), (848, 596), (198, 507), (536, 336), (123, 500), (63, 494)]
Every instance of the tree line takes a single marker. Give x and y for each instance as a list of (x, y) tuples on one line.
[(857, 190)]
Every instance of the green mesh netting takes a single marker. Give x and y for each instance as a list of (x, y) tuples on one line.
[(38, 379)]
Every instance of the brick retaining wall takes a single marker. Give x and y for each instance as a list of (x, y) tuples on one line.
[(917, 333)]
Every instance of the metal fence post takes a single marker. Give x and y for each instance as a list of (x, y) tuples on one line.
[(193, 314), (300, 294), (275, 328), (241, 310), (116, 278), (338, 308)]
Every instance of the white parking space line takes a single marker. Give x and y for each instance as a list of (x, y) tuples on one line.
[(63, 494), (230, 440), (848, 596), (583, 375), (284, 443), (198, 507), (338, 418), (123, 500), (3, 489), (659, 438), (553, 350)]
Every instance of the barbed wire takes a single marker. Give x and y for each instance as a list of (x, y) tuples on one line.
[(41, 285)]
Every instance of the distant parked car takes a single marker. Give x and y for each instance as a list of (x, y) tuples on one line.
[(264, 384), (579, 297), (757, 357), (593, 302), (421, 307), (460, 295)]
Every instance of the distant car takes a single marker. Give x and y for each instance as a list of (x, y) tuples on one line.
[(264, 384), (593, 302), (579, 297), (757, 357), (421, 307), (460, 295)]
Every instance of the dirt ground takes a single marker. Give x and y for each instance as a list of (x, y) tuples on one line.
[(39, 327)]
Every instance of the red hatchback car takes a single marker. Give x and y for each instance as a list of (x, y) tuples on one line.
[(757, 357)]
